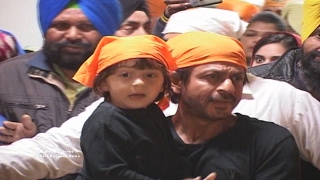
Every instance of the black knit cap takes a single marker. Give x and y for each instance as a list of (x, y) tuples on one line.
[(130, 6)]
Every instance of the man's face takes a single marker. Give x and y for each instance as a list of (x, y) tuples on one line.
[(311, 59), (70, 39), (136, 24), (213, 90), (253, 34)]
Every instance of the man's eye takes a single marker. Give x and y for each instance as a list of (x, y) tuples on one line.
[(61, 26), (127, 29), (238, 78), (148, 28), (212, 76), (124, 74), (86, 27)]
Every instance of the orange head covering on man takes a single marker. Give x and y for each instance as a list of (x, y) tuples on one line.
[(112, 50), (197, 48), (310, 18)]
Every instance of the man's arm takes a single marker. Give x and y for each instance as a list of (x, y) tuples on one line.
[(172, 7), (52, 154), (278, 159), (306, 129)]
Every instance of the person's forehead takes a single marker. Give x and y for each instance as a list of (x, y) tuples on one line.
[(138, 16), (272, 48), (220, 66), (262, 26)]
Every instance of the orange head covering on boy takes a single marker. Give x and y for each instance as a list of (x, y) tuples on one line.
[(112, 50), (197, 48)]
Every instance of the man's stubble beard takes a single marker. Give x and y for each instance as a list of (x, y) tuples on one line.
[(70, 61), (199, 108), (310, 69)]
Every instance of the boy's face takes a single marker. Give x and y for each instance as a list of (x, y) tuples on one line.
[(132, 88)]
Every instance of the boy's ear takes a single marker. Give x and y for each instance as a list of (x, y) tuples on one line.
[(175, 83)]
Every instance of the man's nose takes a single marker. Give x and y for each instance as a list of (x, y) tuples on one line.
[(227, 86), (73, 33)]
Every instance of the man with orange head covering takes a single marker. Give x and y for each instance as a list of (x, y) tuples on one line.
[(207, 86), (300, 67)]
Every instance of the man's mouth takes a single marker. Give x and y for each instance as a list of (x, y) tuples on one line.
[(137, 95), (75, 49)]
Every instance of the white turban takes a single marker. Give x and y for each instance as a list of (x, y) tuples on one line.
[(258, 3), (218, 21), (292, 12)]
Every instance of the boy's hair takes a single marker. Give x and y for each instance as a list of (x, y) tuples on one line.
[(269, 17), (141, 64)]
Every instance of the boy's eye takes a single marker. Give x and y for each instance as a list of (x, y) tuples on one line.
[(151, 75)]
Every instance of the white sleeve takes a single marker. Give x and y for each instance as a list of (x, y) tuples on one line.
[(307, 127), (52, 154)]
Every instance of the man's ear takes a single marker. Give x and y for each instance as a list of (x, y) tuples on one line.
[(175, 82)]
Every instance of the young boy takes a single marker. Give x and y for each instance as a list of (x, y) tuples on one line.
[(127, 136)]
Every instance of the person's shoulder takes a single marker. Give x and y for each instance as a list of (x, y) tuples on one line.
[(256, 82), (105, 109), (265, 129), (282, 69), (18, 61)]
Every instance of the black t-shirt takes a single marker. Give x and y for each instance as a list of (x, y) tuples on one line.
[(252, 149), (129, 144)]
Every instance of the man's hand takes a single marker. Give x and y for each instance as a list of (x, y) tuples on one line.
[(13, 131), (174, 6), (211, 176)]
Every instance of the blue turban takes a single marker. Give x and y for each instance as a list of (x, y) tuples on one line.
[(105, 15)]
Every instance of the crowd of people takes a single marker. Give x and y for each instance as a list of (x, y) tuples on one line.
[(227, 91)]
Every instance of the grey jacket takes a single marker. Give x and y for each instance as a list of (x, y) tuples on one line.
[(27, 85)]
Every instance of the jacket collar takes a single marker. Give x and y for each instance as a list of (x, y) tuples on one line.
[(39, 61)]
